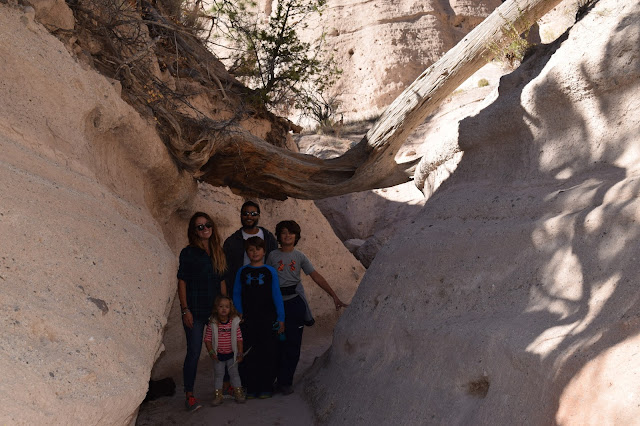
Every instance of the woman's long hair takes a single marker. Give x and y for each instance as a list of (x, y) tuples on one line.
[(218, 259)]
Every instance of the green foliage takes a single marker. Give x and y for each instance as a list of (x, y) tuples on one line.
[(323, 109), (515, 45), (269, 56), (483, 82)]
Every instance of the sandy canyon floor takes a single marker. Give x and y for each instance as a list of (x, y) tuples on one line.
[(279, 410)]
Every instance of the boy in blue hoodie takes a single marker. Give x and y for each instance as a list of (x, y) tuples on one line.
[(257, 297)]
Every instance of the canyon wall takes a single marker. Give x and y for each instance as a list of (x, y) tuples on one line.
[(510, 298), (86, 273), (381, 47), (513, 297), (93, 214)]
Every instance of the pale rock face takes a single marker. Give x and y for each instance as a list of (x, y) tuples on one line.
[(374, 216), (383, 46), (53, 14), (513, 298), (87, 275), (579, 404), (93, 215), (556, 22)]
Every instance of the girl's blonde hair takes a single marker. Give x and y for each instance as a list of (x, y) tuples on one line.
[(232, 312)]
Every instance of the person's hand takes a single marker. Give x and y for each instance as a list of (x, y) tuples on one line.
[(281, 328), (187, 319), (339, 303), (239, 357), (213, 356)]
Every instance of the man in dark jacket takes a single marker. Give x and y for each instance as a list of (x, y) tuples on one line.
[(234, 245), (237, 257)]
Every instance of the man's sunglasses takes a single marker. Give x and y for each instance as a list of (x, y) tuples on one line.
[(201, 227), (250, 214)]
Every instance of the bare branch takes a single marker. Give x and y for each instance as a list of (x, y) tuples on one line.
[(277, 173)]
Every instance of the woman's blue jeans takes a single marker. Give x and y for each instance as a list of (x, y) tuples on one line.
[(194, 347)]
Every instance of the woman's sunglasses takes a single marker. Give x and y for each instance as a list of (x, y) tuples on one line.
[(201, 227)]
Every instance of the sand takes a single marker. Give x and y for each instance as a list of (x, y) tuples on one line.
[(290, 409)]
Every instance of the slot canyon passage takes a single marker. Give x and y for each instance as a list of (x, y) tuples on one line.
[(500, 284)]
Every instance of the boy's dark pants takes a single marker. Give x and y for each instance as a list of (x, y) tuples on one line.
[(289, 349), (257, 370)]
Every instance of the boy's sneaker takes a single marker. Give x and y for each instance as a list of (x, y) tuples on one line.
[(251, 395), (238, 393), (192, 404), (265, 395), (217, 398)]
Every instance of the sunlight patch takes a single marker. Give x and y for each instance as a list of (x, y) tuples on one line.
[(562, 277), (551, 231), (550, 339), (564, 174), (594, 220), (541, 301), (600, 293)]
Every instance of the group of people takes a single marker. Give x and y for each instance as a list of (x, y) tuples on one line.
[(245, 300)]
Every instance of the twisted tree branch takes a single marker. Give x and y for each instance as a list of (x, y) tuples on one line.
[(250, 165)]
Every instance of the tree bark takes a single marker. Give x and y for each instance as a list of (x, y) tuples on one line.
[(251, 166)]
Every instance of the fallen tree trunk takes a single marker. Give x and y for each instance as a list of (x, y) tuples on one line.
[(251, 166)]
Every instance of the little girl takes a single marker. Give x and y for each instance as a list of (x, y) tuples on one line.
[(223, 340)]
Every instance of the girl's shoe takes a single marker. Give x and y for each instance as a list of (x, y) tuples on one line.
[(218, 398), (264, 395), (238, 393)]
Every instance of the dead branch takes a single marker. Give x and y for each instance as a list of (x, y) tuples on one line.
[(249, 165), (222, 153)]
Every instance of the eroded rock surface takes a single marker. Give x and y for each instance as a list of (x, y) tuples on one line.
[(513, 298), (93, 214), (383, 46), (371, 218), (86, 273)]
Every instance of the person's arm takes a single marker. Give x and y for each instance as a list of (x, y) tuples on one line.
[(184, 274), (207, 342), (223, 287), (319, 279), (228, 253), (277, 298), (237, 294), (240, 354), (187, 317), (209, 345)]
